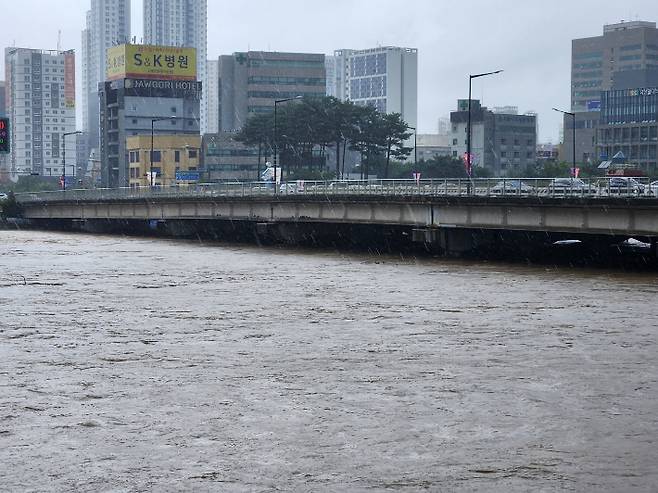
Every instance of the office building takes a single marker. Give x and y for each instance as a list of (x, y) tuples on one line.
[(176, 160), (629, 124), (596, 63), (505, 144), (40, 97), (107, 25), (181, 23), (224, 158), (211, 92), (134, 100), (384, 77), (250, 82), (625, 46), (330, 70)]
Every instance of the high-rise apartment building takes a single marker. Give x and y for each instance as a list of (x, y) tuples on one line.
[(622, 47), (211, 93), (249, 83), (108, 24), (40, 97), (384, 77), (181, 23)]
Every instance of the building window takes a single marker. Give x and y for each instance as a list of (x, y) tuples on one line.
[(192, 153), (454, 142), (157, 156), (503, 154), (177, 156)]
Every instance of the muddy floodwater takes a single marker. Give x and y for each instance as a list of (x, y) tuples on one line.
[(131, 364)]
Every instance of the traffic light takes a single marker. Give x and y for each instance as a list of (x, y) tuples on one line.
[(4, 135)]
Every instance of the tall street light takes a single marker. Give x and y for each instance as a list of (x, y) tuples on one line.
[(415, 147), (153, 120), (573, 135), (469, 168), (276, 102), (64, 157)]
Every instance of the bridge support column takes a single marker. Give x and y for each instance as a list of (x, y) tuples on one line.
[(456, 242)]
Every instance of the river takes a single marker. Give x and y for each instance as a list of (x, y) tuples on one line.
[(133, 364)]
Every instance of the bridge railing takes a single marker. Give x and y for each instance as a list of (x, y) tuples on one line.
[(487, 187)]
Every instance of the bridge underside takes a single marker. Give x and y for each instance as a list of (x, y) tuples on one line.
[(491, 228), (615, 217)]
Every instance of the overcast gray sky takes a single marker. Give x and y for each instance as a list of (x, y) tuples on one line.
[(529, 39)]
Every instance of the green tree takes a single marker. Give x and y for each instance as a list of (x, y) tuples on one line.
[(258, 132), (396, 133)]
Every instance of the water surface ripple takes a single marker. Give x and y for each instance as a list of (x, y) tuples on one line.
[(151, 365)]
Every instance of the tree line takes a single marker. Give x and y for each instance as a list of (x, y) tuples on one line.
[(306, 128)]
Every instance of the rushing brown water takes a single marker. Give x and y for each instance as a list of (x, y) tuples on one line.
[(148, 365)]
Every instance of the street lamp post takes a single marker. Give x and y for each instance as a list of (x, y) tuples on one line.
[(415, 146), (573, 135), (64, 157), (153, 120), (469, 166), (276, 102)]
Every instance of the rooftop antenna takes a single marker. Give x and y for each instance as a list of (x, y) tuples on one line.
[(59, 40)]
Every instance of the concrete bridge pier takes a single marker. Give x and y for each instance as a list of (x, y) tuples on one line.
[(452, 242)]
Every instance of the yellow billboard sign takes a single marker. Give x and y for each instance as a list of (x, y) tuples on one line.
[(151, 62)]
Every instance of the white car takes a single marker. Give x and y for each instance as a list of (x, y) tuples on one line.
[(3, 196), (654, 188)]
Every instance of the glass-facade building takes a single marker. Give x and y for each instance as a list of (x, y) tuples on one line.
[(629, 123)]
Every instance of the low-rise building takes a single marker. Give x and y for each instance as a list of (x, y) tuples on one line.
[(503, 143), (548, 152), (224, 158), (176, 160), (432, 145)]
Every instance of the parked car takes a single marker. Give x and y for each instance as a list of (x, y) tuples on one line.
[(3, 196), (622, 185), (288, 188), (654, 188), (566, 186), (512, 187)]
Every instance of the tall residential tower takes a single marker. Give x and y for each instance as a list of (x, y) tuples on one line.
[(108, 24), (181, 23), (40, 96)]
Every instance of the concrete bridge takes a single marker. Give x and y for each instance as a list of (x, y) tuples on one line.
[(432, 213)]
